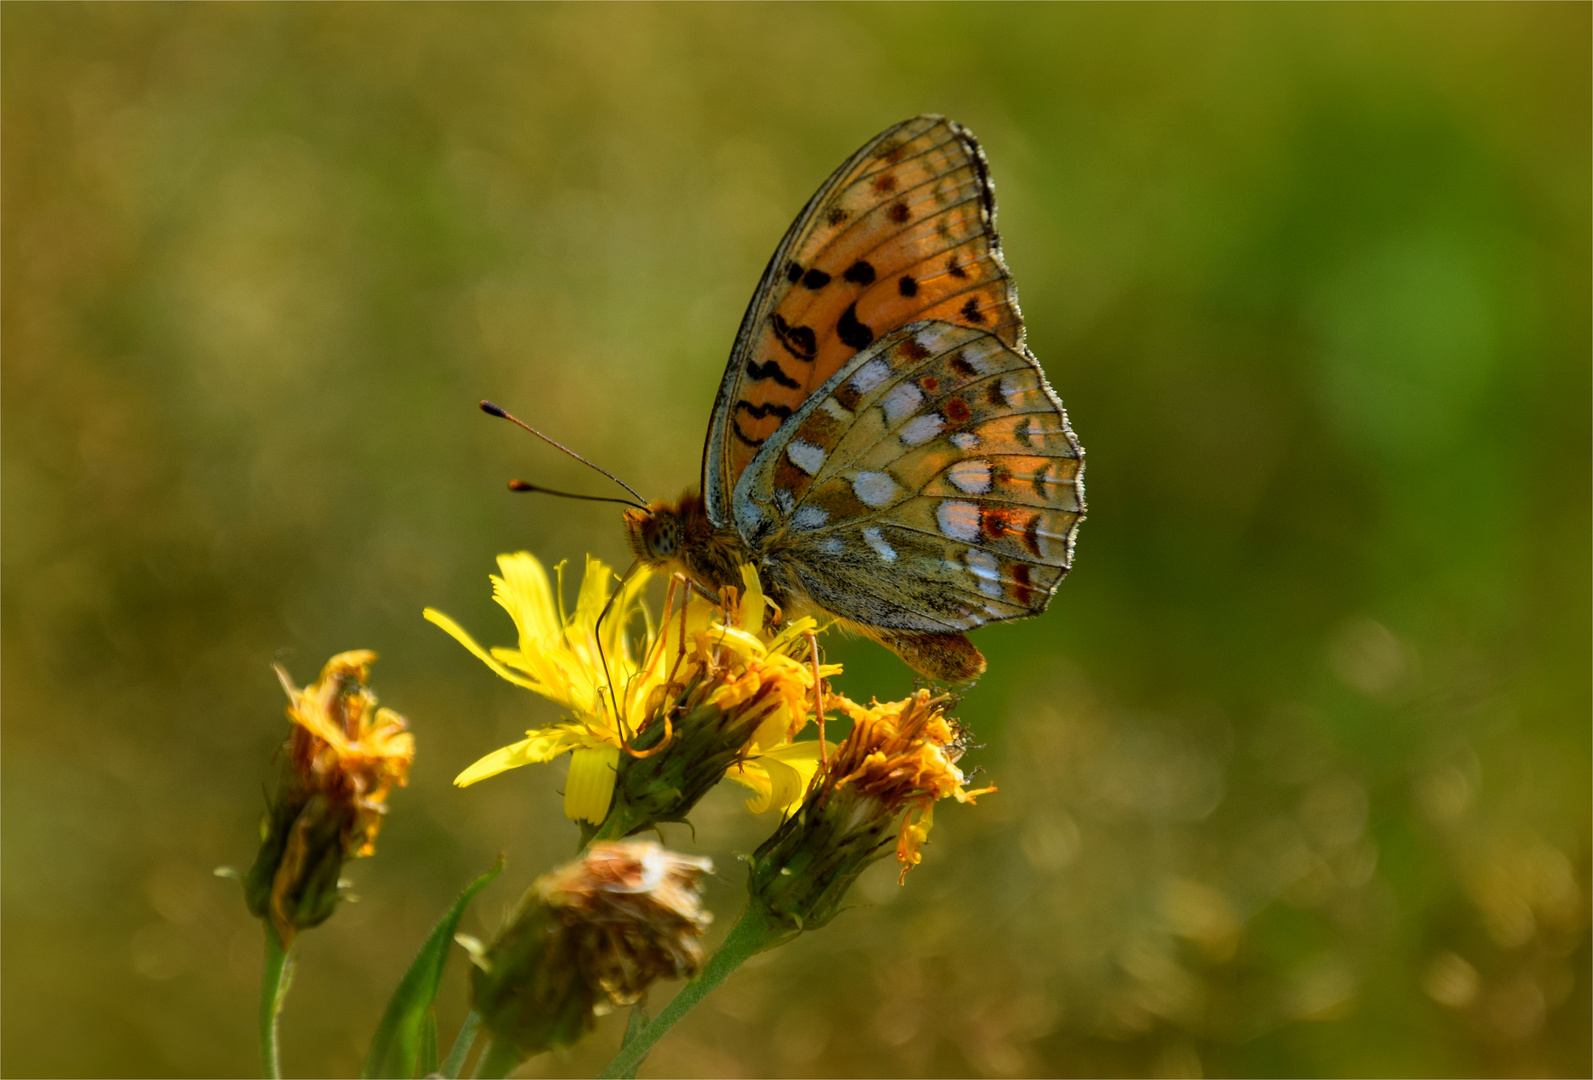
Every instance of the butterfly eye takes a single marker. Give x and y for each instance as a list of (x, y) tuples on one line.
[(663, 540)]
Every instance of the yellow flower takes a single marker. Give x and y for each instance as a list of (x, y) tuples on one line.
[(881, 781), (345, 746), (904, 755), (701, 656), (344, 757)]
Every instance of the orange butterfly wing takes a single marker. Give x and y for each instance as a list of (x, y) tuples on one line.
[(904, 230)]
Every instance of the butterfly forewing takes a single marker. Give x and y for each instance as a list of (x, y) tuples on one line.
[(932, 483), (903, 231)]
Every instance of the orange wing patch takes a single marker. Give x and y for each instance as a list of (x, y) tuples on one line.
[(904, 230)]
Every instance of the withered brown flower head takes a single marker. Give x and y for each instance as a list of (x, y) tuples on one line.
[(637, 909), (589, 936)]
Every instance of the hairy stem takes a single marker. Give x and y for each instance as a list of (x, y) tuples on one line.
[(498, 1060), (752, 933), (463, 1044), (274, 982)]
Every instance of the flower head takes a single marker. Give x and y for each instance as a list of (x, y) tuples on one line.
[(884, 778), (710, 673), (345, 754), (902, 755), (592, 935)]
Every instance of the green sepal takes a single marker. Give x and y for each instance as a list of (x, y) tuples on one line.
[(400, 1037)]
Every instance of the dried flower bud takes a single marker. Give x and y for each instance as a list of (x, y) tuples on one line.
[(592, 935), (343, 757), (882, 781)]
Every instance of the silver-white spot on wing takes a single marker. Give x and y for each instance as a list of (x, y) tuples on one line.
[(870, 375), (903, 400), (874, 489), (805, 456), (965, 440), (986, 571), (971, 477), (810, 517), (958, 520), (873, 539), (982, 357), (921, 429)]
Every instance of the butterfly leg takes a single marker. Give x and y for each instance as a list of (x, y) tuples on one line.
[(669, 733), (818, 695), (706, 594), (675, 581), (597, 636), (943, 657)]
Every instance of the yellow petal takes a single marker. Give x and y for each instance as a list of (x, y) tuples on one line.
[(544, 744), (590, 785), (751, 600), (523, 592), (742, 642), (457, 632), (779, 778)]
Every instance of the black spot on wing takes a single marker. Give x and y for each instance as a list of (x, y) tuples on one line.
[(768, 408), (899, 213), (860, 273), (954, 268), (815, 279), (799, 341), (793, 272), (971, 312), (907, 286), (771, 370), (835, 215), (758, 411), (851, 331)]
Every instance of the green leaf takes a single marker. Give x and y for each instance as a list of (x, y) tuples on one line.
[(428, 1044), (396, 1048)]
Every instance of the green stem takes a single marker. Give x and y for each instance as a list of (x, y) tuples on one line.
[(634, 1026), (498, 1060), (620, 823), (274, 982), (752, 933), (462, 1045)]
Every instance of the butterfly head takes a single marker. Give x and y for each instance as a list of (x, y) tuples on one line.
[(656, 534)]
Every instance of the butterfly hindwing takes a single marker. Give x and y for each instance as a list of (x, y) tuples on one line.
[(903, 231), (932, 484)]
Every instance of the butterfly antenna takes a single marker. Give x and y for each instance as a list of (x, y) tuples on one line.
[(523, 485), (494, 410)]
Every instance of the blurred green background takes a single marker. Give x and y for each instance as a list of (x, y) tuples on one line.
[(1295, 772)]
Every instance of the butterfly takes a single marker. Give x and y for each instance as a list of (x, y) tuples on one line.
[(883, 448)]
